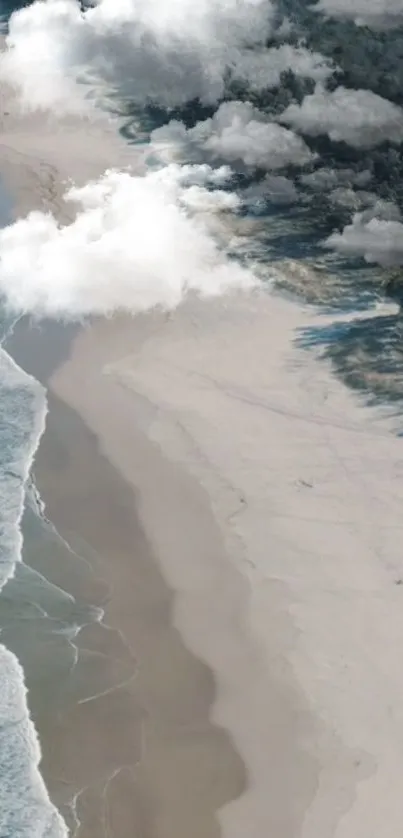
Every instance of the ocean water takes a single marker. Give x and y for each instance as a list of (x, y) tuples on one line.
[(25, 808), (38, 619)]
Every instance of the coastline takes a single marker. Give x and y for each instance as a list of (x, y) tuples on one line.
[(263, 609), (144, 751), (265, 712), (303, 486), (163, 766)]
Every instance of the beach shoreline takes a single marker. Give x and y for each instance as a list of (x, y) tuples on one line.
[(211, 594), (163, 768), (266, 499), (290, 465), (159, 738)]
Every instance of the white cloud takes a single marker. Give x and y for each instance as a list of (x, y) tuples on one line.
[(149, 49), (136, 243), (275, 189), (360, 118), (325, 179), (378, 14), (237, 133), (262, 69), (375, 235), (351, 199)]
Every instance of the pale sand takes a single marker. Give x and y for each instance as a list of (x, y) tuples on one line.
[(301, 616), (40, 154), (126, 738), (142, 758), (272, 500)]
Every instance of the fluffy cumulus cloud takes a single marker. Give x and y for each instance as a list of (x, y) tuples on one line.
[(262, 69), (378, 14), (360, 118), (139, 230), (375, 235), (136, 243), (168, 53), (237, 133), (150, 50), (351, 199), (273, 189), (325, 179)]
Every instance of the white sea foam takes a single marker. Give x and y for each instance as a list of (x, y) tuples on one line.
[(22, 421), (25, 808)]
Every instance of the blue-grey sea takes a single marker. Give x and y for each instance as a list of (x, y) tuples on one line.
[(25, 603), (25, 809), (38, 620)]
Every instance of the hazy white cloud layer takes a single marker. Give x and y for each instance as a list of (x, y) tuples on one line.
[(136, 243), (170, 53), (237, 133), (166, 53), (149, 49), (360, 118), (378, 14)]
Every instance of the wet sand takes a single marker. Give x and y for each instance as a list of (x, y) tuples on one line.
[(126, 736), (257, 699), (143, 757), (233, 436), (243, 510), (146, 754)]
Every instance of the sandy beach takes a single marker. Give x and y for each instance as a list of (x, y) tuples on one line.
[(129, 748), (298, 612), (144, 753), (245, 509)]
